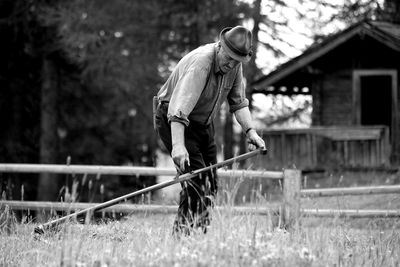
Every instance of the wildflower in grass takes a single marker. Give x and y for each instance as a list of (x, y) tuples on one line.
[(306, 254), (245, 255), (222, 246), (194, 256), (271, 251)]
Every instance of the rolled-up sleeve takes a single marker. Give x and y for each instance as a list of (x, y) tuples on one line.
[(186, 94), (237, 95)]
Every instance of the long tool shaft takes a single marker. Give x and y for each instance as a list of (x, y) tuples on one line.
[(184, 177)]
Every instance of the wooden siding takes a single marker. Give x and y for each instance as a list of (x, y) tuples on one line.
[(396, 148), (396, 128), (327, 148), (337, 98)]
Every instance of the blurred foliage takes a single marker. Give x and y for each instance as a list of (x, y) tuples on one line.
[(124, 51), (105, 113), (352, 11)]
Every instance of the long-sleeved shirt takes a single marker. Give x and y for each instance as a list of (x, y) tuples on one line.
[(195, 89)]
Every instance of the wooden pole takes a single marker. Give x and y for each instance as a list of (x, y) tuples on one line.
[(291, 199), (351, 213), (179, 179), (170, 209), (126, 208), (343, 191), (124, 170)]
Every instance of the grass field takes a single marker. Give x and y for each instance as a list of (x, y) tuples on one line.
[(146, 240)]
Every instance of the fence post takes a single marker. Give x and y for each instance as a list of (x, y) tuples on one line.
[(291, 198)]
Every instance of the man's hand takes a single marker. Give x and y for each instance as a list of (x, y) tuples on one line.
[(180, 156), (243, 116), (254, 140)]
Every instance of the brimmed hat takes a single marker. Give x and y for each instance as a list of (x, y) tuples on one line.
[(237, 42)]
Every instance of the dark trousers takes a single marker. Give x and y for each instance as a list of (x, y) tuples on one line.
[(197, 194)]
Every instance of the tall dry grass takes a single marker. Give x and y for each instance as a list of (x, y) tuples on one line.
[(232, 240)]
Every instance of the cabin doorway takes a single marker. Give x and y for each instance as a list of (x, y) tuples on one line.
[(375, 99)]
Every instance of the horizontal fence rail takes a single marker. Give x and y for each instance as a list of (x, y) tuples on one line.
[(342, 191), (126, 208), (351, 213), (125, 170), (172, 209)]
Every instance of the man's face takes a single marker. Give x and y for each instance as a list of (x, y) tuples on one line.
[(225, 62)]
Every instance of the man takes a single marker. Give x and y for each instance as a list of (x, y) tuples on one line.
[(188, 103)]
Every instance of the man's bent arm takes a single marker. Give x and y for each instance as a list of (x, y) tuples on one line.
[(179, 153), (243, 116)]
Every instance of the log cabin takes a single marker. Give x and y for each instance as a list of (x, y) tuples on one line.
[(352, 77)]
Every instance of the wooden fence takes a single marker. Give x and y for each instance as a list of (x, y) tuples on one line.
[(289, 210), (351, 213), (327, 147)]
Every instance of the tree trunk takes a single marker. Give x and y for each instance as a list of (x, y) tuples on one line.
[(47, 188), (201, 23), (251, 69)]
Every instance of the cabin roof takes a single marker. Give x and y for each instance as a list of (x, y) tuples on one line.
[(384, 32)]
